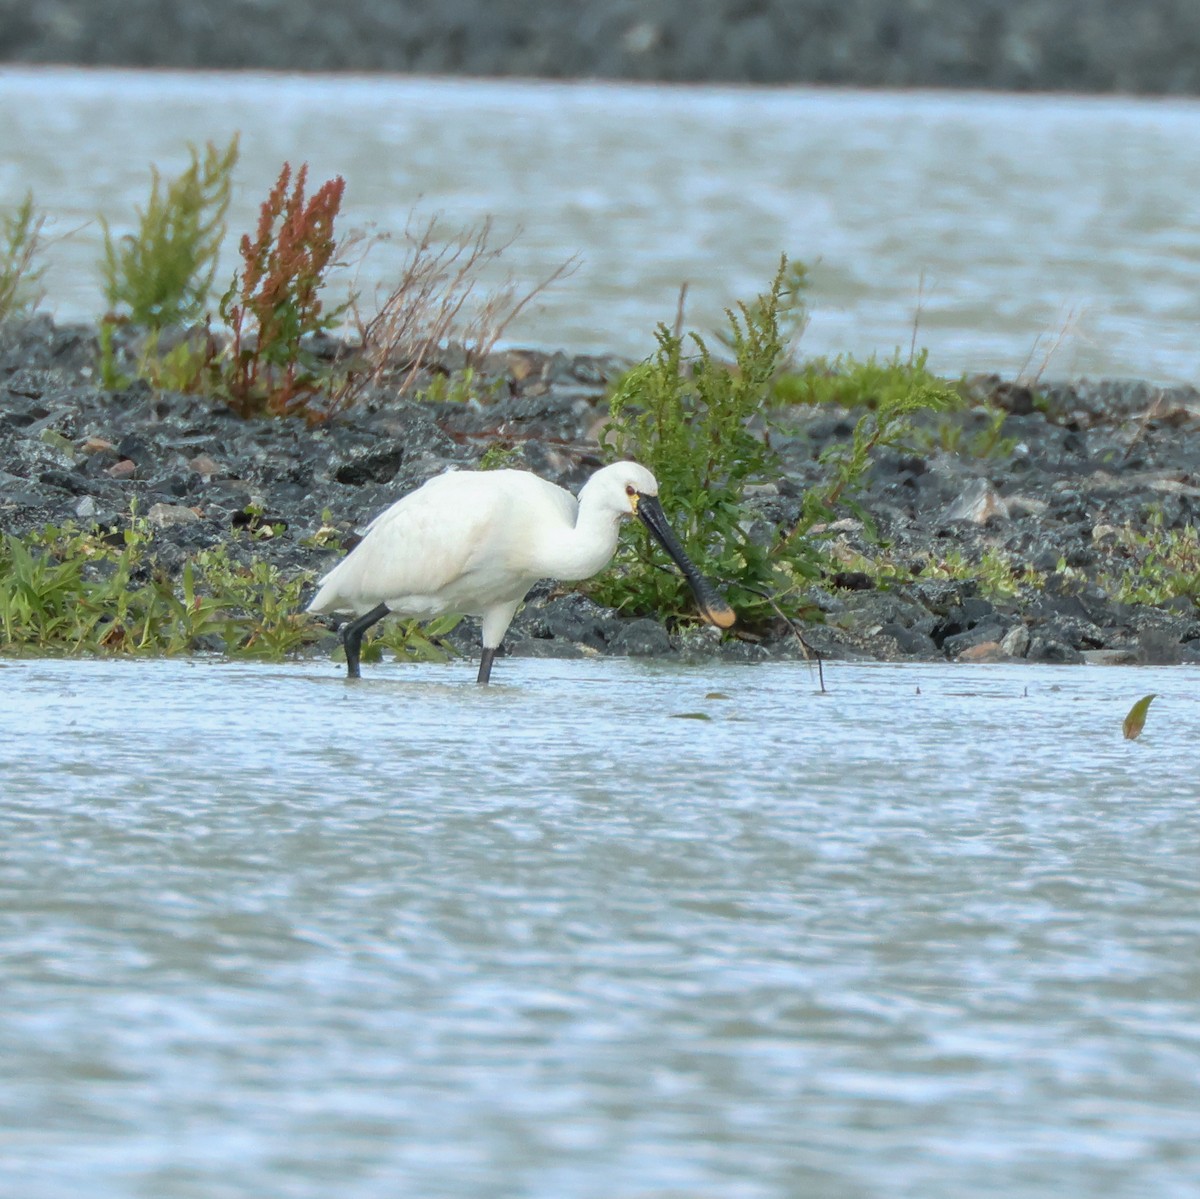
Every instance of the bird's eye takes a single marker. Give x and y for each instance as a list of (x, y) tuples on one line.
[(630, 490)]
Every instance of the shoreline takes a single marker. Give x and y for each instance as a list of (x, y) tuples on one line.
[(1042, 524), (1027, 45)]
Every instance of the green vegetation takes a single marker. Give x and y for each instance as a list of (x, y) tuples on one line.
[(159, 278), (20, 274), (410, 640), (859, 383), (460, 387), (788, 299), (69, 590), (692, 422), (161, 275), (82, 591), (1154, 566), (499, 456), (701, 425), (998, 575)]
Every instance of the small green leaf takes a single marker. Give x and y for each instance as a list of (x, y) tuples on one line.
[(1136, 720), (716, 695), (690, 716)]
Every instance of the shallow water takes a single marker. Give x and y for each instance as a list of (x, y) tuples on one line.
[(933, 934), (1031, 234)]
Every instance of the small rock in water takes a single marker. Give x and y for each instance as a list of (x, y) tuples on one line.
[(1110, 657)]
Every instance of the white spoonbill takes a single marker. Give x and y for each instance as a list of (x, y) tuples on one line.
[(474, 542)]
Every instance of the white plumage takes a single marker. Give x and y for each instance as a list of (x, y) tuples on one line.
[(474, 542)]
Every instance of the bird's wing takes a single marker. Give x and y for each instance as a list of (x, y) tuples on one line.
[(424, 546)]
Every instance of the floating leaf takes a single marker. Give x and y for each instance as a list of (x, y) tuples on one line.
[(716, 695), (1136, 720), (690, 716)]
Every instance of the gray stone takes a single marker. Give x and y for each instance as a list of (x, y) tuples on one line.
[(979, 503), (1015, 643), (164, 516), (641, 638), (1043, 649)]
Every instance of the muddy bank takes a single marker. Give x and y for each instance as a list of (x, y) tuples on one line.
[(1050, 525), (1055, 45)]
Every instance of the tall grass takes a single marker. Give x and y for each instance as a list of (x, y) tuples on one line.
[(20, 272)]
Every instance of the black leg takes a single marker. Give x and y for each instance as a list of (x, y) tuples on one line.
[(485, 666), (352, 636)]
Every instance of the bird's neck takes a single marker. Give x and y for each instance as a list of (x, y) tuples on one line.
[(586, 549)]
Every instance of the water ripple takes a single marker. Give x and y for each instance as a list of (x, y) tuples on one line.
[(932, 934)]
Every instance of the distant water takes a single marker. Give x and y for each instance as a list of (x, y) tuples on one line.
[(1031, 234), (933, 935)]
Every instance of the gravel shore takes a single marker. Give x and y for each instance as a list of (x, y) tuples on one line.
[(1044, 45), (1084, 484)]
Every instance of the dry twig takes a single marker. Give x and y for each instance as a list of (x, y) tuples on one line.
[(439, 299)]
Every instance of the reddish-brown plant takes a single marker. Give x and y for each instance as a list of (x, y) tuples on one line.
[(275, 303)]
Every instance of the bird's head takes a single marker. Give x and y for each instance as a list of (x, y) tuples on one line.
[(619, 488), (631, 490)]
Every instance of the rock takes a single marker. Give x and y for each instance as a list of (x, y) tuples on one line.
[(540, 647), (165, 516), (1110, 657), (699, 641), (640, 638), (378, 464), (137, 448), (942, 596), (979, 503), (1158, 647), (573, 617), (735, 649), (959, 644), (983, 651), (1015, 643), (1049, 649), (204, 466), (910, 641)]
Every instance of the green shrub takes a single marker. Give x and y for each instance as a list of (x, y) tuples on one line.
[(700, 426), (161, 275), (789, 300), (695, 423)]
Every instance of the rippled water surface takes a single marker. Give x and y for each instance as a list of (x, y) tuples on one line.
[(262, 933), (1032, 234)]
